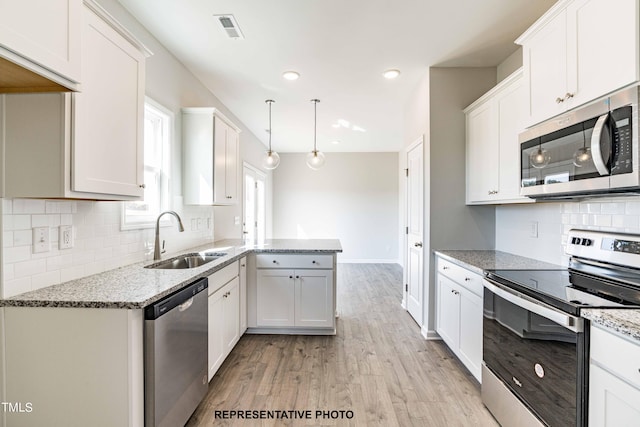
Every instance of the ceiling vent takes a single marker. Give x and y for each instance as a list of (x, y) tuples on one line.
[(230, 26)]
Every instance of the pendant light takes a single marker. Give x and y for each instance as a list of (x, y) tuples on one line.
[(271, 160), (582, 156), (539, 158), (315, 159)]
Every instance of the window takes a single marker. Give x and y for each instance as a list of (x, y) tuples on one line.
[(158, 127)]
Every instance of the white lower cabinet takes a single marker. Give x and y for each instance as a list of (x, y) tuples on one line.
[(224, 317), (243, 295), (614, 380), (293, 292), (300, 298), (459, 313)]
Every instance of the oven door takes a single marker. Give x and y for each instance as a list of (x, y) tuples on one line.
[(538, 353)]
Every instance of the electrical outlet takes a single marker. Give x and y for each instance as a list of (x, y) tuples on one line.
[(236, 220), (41, 240), (199, 224), (65, 237), (533, 230)]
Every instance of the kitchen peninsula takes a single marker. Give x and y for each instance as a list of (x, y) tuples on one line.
[(75, 350)]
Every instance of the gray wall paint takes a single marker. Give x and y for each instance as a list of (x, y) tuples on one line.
[(354, 198), (509, 65), (435, 111)]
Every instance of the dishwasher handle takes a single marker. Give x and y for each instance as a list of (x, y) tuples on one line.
[(181, 299)]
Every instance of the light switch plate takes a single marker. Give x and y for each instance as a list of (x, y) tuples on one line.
[(41, 240), (533, 231)]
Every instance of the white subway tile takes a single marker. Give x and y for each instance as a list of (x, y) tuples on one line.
[(71, 273), (633, 208), (16, 286), (7, 222), (7, 272), (22, 238), (613, 208), (39, 220), (7, 239), (52, 207), (17, 254), (42, 280), (7, 206), (21, 222), (29, 268), (28, 206), (94, 268), (66, 219)]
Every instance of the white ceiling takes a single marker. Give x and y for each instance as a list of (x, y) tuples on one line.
[(340, 48)]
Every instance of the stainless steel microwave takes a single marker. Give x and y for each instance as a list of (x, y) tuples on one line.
[(590, 151)]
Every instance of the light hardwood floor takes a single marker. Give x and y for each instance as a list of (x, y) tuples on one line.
[(378, 366)]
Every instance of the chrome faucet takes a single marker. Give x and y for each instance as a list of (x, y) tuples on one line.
[(156, 249)]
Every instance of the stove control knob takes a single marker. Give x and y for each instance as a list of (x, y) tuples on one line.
[(587, 242)]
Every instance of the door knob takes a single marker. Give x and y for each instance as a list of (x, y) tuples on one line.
[(418, 244)]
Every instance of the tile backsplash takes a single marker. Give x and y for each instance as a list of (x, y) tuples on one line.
[(554, 220), (98, 242)]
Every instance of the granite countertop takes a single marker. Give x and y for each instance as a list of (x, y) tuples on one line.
[(624, 321), (481, 260), (133, 286)]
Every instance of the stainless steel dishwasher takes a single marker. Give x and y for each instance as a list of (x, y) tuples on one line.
[(175, 359)]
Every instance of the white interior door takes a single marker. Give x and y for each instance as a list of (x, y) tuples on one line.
[(254, 206), (415, 227)]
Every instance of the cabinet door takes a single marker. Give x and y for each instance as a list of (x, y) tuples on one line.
[(471, 331), (219, 161), (107, 148), (275, 298), (314, 298), (545, 65), (597, 28), (510, 115), (482, 154), (243, 295), (612, 402), (448, 320), (231, 165), (231, 315), (46, 32), (216, 337)]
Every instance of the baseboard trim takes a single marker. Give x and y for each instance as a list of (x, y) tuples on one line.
[(368, 261), (429, 335)]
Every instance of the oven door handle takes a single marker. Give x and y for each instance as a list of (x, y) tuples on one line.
[(572, 323)]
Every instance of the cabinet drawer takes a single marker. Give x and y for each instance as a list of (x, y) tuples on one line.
[(616, 354), (462, 276), (222, 277), (294, 261)]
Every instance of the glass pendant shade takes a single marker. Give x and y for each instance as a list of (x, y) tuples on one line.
[(539, 158), (315, 159), (271, 160), (582, 157)]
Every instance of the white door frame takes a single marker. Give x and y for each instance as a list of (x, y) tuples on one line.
[(414, 306), (247, 168)]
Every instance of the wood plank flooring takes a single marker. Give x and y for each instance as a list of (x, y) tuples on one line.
[(378, 366)]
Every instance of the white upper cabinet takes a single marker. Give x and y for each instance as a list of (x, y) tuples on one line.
[(87, 145), (578, 51), (108, 145), (211, 156), (493, 152), (42, 36)]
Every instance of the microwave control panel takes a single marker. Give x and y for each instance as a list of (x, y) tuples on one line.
[(622, 136)]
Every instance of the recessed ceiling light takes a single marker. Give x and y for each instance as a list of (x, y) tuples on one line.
[(291, 75), (335, 142), (391, 74)]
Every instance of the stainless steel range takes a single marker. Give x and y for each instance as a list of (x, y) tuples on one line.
[(536, 345)]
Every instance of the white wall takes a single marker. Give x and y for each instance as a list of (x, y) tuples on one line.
[(100, 245), (354, 198), (619, 214)]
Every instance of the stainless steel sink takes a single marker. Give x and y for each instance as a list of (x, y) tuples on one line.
[(187, 261)]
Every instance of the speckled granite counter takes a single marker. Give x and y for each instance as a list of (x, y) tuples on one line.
[(479, 261), (624, 321), (134, 286)]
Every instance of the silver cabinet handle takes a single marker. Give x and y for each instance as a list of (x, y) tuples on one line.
[(559, 100), (566, 96), (418, 244), (142, 186), (444, 267), (596, 151), (185, 305), (467, 279)]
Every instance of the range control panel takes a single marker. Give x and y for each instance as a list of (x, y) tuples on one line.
[(614, 248)]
